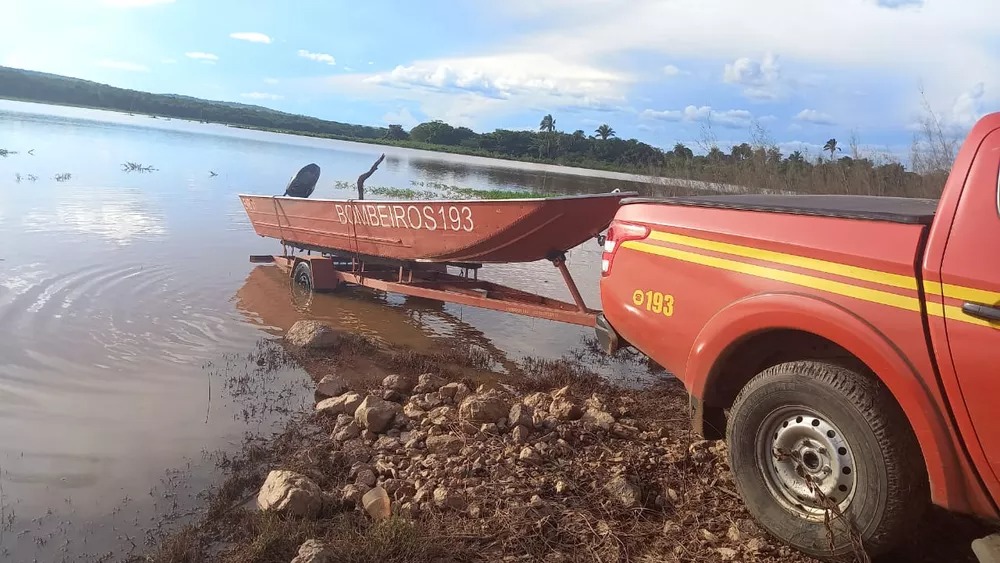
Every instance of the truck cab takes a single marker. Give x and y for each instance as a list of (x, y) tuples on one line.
[(846, 347)]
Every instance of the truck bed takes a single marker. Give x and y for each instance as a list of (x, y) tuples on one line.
[(873, 208)]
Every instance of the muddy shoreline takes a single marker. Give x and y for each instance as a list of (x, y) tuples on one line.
[(457, 460)]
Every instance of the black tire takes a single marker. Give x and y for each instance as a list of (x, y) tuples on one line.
[(843, 430), (302, 275)]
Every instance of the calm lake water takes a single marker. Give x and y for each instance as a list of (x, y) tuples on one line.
[(127, 300)]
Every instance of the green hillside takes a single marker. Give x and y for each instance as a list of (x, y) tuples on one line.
[(54, 89)]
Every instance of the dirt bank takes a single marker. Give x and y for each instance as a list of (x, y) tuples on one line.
[(546, 463)]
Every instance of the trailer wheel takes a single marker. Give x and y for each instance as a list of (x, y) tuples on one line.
[(302, 275), (822, 455)]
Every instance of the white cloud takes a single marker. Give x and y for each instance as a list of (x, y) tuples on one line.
[(261, 96), (732, 118), (896, 4), (463, 91), (402, 117), (807, 149), (270, 80), (671, 70), (318, 57), (960, 35), (968, 107), (199, 56), (135, 3), (123, 65), (504, 76), (760, 80), (251, 36), (814, 116)]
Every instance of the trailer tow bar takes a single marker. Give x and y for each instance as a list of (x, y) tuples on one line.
[(558, 260)]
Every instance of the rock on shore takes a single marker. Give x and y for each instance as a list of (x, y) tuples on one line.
[(312, 334), (422, 446)]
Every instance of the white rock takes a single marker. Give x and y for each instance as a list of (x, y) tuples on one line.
[(376, 414), (290, 492), (564, 406), (376, 503), (343, 404), (331, 385), (486, 407), (400, 383), (624, 492), (598, 418), (444, 444), (312, 334), (348, 432), (448, 498), (314, 551), (428, 383), (727, 553), (521, 414)]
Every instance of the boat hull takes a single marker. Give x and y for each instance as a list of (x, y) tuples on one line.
[(483, 231)]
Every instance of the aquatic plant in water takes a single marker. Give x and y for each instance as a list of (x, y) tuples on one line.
[(62, 177), (136, 167), (439, 190)]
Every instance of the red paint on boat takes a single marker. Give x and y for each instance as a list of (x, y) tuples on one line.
[(484, 231)]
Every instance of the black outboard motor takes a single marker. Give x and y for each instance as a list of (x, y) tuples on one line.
[(303, 183)]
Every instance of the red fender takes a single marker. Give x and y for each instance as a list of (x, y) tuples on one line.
[(953, 482)]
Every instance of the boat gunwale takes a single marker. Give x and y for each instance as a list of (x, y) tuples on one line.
[(620, 195)]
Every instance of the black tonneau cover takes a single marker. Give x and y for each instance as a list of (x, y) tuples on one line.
[(875, 208)]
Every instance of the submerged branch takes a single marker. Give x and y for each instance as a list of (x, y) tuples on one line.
[(366, 175)]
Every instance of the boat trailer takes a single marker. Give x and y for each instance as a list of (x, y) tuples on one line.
[(323, 269)]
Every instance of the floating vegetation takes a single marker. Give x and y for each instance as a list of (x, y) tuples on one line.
[(17, 177), (404, 193), (438, 191), (136, 167), (62, 177)]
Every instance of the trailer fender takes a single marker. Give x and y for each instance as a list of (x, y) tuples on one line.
[(322, 271), (948, 469)]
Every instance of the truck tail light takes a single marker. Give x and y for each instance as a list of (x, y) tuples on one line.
[(619, 233)]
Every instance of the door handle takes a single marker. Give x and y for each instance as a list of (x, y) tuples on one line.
[(987, 312)]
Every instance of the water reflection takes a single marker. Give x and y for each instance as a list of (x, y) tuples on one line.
[(124, 296), (269, 298), (540, 181), (120, 216)]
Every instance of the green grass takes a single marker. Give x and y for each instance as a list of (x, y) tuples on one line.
[(438, 190)]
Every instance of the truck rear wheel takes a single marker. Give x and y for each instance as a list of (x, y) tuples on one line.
[(825, 460)]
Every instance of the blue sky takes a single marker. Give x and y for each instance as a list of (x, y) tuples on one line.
[(662, 71)]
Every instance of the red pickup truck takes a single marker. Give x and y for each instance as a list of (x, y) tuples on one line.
[(846, 347)]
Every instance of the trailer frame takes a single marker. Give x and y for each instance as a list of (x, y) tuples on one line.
[(325, 269)]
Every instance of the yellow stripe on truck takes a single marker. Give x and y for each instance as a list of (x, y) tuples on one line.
[(803, 280), (962, 293), (846, 270), (821, 284)]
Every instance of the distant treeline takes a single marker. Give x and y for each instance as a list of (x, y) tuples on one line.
[(757, 165), (51, 88)]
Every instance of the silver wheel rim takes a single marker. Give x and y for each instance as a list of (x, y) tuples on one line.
[(806, 462), (301, 290)]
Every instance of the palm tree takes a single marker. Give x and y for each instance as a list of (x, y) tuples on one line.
[(605, 131), (831, 146), (548, 123), (683, 152)]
